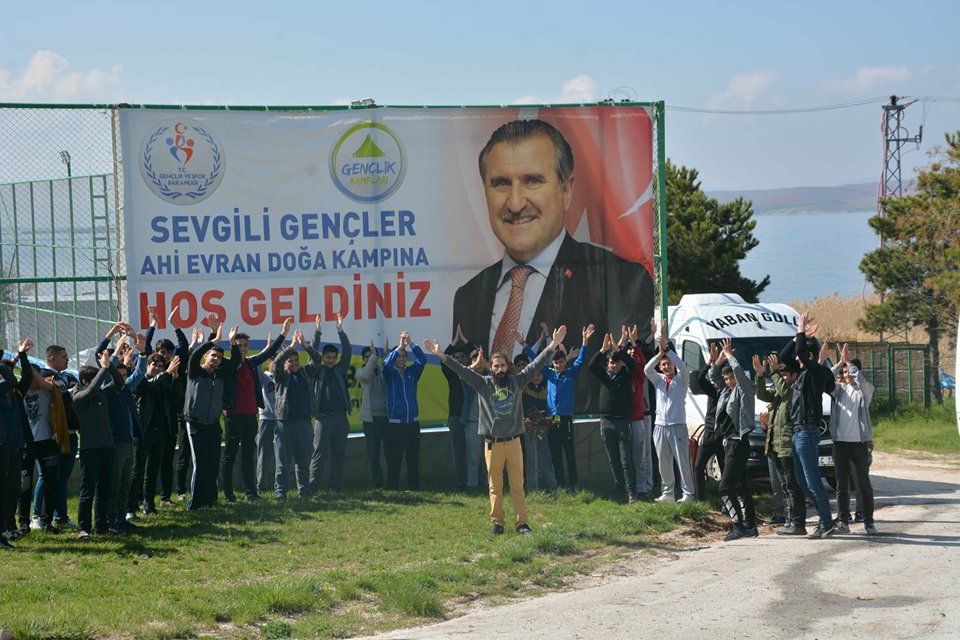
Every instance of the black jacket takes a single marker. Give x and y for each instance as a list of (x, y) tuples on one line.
[(616, 393), (806, 407)]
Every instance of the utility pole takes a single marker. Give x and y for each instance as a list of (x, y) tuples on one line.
[(895, 136)]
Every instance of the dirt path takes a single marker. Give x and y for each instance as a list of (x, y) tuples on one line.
[(904, 584)]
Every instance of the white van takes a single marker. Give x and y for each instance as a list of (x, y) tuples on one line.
[(755, 328)]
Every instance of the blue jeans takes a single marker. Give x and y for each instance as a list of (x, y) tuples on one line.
[(67, 461), (806, 460)]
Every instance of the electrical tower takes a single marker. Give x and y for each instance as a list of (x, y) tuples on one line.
[(895, 136)]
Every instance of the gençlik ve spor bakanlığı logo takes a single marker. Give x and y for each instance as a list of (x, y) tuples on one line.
[(182, 163), (368, 163)]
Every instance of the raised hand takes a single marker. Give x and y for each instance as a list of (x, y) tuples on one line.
[(316, 322), (114, 330), (544, 331), (588, 332), (287, 323), (758, 365), (478, 362), (123, 348), (25, 345), (519, 338), (459, 337), (152, 314), (298, 338), (404, 339), (727, 348), (104, 359), (213, 322), (824, 352), (633, 334), (774, 362), (174, 367), (197, 336), (845, 353), (339, 323), (662, 343), (234, 330), (714, 353), (173, 312), (141, 342), (558, 335), (607, 343), (432, 347)]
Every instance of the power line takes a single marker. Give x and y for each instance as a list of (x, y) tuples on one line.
[(829, 107)]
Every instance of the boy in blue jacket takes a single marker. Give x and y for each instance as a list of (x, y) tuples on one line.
[(402, 437)]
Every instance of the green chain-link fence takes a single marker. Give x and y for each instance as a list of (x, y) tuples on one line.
[(61, 267)]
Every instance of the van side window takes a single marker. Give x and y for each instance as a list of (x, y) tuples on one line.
[(693, 355)]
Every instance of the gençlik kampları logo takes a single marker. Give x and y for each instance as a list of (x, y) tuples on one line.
[(368, 163), (182, 163)]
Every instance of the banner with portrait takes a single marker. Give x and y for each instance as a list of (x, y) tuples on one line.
[(381, 216)]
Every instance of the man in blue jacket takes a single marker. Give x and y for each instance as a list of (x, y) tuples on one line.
[(403, 433)]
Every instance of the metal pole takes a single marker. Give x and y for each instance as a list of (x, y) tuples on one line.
[(660, 110)]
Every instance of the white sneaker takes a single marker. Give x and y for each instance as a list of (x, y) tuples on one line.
[(66, 524), (687, 498), (35, 522), (131, 515), (667, 497)]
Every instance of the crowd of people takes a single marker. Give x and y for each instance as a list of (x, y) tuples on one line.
[(146, 412)]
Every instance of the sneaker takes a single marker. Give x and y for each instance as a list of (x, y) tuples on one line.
[(83, 535), (820, 532), (229, 497), (131, 516), (114, 531), (524, 528), (667, 497), (66, 524), (735, 533), (149, 510), (751, 532), (870, 530), (792, 530), (5, 544), (166, 503), (497, 529), (49, 528), (181, 497), (858, 517), (841, 528), (686, 498), (35, 523), (775, 520), (631, 498)]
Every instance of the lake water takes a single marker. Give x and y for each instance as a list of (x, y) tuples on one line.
[(810, 255)]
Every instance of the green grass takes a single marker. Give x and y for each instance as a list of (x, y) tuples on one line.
[(346, 563), (914, 428)]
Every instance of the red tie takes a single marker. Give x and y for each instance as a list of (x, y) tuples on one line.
[(503, 340)]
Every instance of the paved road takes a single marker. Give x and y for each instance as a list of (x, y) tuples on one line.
[(904, 584)]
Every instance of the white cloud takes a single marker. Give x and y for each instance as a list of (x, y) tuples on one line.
[(869, 78), (743, 91), (48, 76), (580, 88)]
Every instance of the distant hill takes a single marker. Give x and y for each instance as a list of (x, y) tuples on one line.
[(847, 197)]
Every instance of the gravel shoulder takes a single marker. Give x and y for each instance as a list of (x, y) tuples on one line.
[(903, 584)]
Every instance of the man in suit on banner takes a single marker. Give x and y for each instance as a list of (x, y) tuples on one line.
[(545, 275)]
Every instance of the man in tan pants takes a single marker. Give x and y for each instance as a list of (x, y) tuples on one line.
[(501, 423)]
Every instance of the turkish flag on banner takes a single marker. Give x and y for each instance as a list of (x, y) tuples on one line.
[(613, 169)]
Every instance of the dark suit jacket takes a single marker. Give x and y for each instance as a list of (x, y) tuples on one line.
[(587, 284)]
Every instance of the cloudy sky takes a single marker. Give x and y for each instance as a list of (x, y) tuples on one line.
[(709, 56)]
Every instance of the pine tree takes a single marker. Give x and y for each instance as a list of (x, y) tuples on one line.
[(917, 268)]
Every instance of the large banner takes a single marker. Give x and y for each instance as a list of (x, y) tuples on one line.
[(396, 219)]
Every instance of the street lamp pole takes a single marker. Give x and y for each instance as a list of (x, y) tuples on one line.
[(65, 157)]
